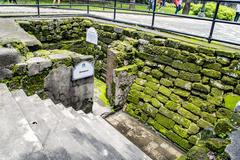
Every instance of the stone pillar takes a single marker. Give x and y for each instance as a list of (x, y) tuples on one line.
[(61, 87)]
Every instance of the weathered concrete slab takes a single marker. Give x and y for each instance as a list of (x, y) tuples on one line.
[(156, 147), (10, 31), (8, 56)]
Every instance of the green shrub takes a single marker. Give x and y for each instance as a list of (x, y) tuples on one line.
[(224, 12)]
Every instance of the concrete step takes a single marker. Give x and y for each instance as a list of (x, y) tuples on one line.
[(112, 137), (34, 113), (58, 143), (78, 132), (18, 141), (96, 140)]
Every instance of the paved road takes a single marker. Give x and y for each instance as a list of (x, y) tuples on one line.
[(227, 32)]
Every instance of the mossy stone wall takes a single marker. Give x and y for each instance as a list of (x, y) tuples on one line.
[(181, 89)]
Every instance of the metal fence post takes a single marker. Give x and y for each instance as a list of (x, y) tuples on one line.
[(115, 8), (213, 22), (38, 7), (154, 12), (88, 7)]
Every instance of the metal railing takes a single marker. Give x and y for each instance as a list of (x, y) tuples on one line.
[(152, 13)]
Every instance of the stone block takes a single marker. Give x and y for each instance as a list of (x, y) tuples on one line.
[(149, 91), (156, 73), (178, 140), (216, 100), (133, 96), (160, 128), (214, 66), (37, 64), (152, 85), (150, 110), (229, 80), (211, 118), (204, 124), (200, 87), (193, 129), (140, 81), (156, 103), (224, 53), (146, 69), (166, 82), (189, 76), (237, 89), (171, 71), (164, 111), (5, 73), (224, 113), (192, 108), (193, 139), (211, 73), (8, 56), (172, 105), (164, 121), (181, 120), (176, 98), (151, 79), (187, 114), (135, 86), (180, 131), (162, 98), (216, 92), (165, 91), (183, 84), (181, 92)]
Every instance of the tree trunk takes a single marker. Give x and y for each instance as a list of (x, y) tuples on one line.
[(187, 6)]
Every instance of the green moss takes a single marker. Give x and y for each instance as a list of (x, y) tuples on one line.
[(156, 103), (183, 84), (180, 131), (160, 128), (203, 124), (237, 89), (101, 86), (149, 91), (187, 114), (140, 81), (172, 105), (181, 92), (164, 111), (193, 139), (192, 108), (181, 120), (217, 144), (231, 100), (231, 72), (156, 73), (229, 80), (166, 82), (225, 53), (165, 91), (224, 113), (162, 98), (152, 85), (171, 71), (133, 96), (141, 74), (223, 126), (209, 117), (175, 98), (216, 92), (198, 153), (201, 87), (212, 73), (131, 69), (135, 86), (178, 140), (164, 121), (214, 66), (151, 79), (189, 76), (139, 62), (150, 110)]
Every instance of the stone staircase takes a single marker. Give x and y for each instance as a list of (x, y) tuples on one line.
[(35, 129)]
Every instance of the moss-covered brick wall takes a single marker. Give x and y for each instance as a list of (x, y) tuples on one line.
[(180, 88), (70, 34)]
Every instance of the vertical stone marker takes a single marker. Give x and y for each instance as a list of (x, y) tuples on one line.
[(92, 36)]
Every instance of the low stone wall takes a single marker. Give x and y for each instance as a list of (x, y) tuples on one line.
[(48, 74), (70, 34), (181, 89)]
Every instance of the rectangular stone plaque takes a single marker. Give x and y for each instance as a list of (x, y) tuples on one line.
[(82, 70)]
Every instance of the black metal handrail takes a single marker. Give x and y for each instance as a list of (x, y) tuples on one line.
[(153, 13)]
